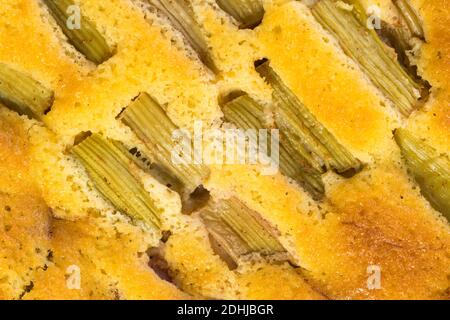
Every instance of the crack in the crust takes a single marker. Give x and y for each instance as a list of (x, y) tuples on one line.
[(158, 263), (312, 283)]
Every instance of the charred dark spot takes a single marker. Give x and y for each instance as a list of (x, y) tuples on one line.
[(27, 289), (50, 255), (133, 151)]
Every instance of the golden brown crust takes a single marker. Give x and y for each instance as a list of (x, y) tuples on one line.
[(51, 221), (113, 265), (25, 220), (382, 221)]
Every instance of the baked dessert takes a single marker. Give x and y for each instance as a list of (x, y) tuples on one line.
[(114, 179)]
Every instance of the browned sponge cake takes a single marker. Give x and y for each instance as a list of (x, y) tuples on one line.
[(51, 218)]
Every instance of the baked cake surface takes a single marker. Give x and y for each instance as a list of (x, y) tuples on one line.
[(53, 220)]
